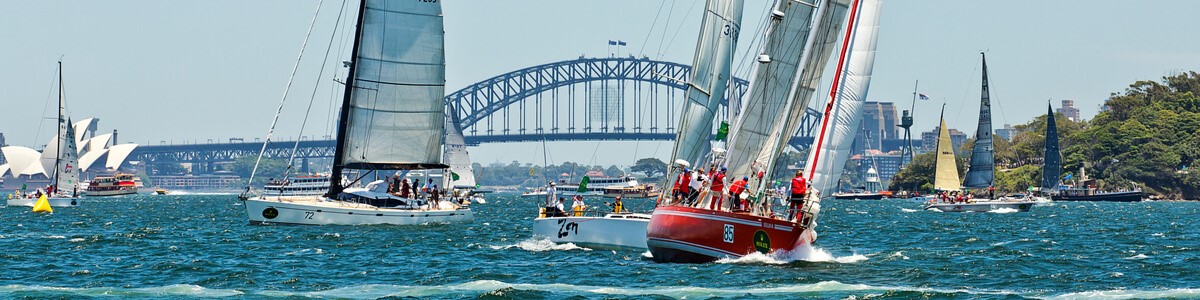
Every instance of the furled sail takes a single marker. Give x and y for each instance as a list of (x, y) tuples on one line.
[(1052, 164), (946, 168), (983, 166), (395, 113), (457, 157), (708, 80), (843, 112), (782, 51), (831, 15)]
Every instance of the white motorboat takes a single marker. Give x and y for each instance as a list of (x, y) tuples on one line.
[(611, 230)]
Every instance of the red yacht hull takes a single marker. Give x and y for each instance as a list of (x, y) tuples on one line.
[(691, 235)]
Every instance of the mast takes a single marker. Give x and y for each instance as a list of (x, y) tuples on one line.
[(335, 179), (982, 173), (58, 155)]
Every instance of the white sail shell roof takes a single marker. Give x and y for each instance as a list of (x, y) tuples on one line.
[(83, 126), (3, 170), (117, 155), (87, 159), (96, 143), (23, 160)]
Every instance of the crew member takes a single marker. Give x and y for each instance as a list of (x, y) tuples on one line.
[(577, 205), (685, 180), (617, 206), (718, 186), (736, 190), (992, 192), (799, 190)]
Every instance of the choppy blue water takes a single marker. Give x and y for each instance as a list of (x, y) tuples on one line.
[(201, 246)]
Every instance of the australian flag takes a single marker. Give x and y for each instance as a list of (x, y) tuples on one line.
[(621, 43), (612, 43), (922, 97)]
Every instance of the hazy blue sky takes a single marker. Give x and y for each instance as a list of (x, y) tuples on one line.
[(195, 70)]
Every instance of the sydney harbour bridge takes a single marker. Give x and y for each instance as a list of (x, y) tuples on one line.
[(585, 99)]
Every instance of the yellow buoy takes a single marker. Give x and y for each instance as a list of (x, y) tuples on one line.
[(42, 205)]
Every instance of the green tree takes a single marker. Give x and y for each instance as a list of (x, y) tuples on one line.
[(268, 168), (652, 167)]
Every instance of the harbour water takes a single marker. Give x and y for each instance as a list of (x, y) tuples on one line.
[(178, 246)]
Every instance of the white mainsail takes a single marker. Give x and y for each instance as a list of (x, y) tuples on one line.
[(395, 107), (709, 79), (843, 111), (787, 37), (457, 157)]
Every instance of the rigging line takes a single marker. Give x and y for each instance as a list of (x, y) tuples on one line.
[(758, 32), (663, 37), (680, 28), (49, 93), (965, 91), (340, 33), (653, 24), (282, 100), (312, 98)]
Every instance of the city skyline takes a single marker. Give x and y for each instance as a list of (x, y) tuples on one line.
[(181, 72)]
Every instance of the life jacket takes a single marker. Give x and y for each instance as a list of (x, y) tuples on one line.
[(799, 186), (718, 182)]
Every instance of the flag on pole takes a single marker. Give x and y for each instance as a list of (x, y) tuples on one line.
[(723, 131), (454, 176), (922, 97), (612, 43), (621, 43)]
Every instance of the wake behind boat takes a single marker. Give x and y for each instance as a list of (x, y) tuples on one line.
[(391, 118)]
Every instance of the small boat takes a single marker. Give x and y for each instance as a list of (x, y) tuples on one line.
[(63, 152), (161, 191), (595, 186), (115, 185), (638, 191), (1091, 194), (299, 186), (981, 174), (593, 229)]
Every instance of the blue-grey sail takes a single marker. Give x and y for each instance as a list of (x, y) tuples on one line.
[(396, 108), (1052, 164), (983, 165)]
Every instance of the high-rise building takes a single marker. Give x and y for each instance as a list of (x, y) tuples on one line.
[(929, 139), (878, 123), (1007, 132), (1068, 110)]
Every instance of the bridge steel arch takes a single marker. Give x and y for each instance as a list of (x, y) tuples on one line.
[(480, 104)]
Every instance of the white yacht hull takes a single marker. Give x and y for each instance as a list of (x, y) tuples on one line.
[(54, 202), (981, 206), (613, 230), (319, 211)]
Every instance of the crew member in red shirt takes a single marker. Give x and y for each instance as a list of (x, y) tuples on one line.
[(685, 179), (718, 186), (735, 192), (799, 190)]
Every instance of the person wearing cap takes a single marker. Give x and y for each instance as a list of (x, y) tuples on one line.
[(685, 180), (718, 186), (735, 192), (617, 206), (551, 194), (799, 190), (577, 205), (696, 184)]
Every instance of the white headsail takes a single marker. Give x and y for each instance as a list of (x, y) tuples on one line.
[(457, 158), (782, 52), (843, 111), (395, 106), (709, 79), (67, 174)]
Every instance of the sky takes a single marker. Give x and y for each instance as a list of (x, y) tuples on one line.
[(190, 71)]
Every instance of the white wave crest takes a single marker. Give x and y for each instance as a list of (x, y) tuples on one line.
[(1004, 210), (1137, 257), (170, 291), (908, 210), (803, 253), (1131, 294), (541, 244)]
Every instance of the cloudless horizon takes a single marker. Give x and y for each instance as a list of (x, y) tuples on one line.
[(198, 70)]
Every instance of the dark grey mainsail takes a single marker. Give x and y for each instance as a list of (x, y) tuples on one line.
[(1052, 166), (393, 113), (982, 172)]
